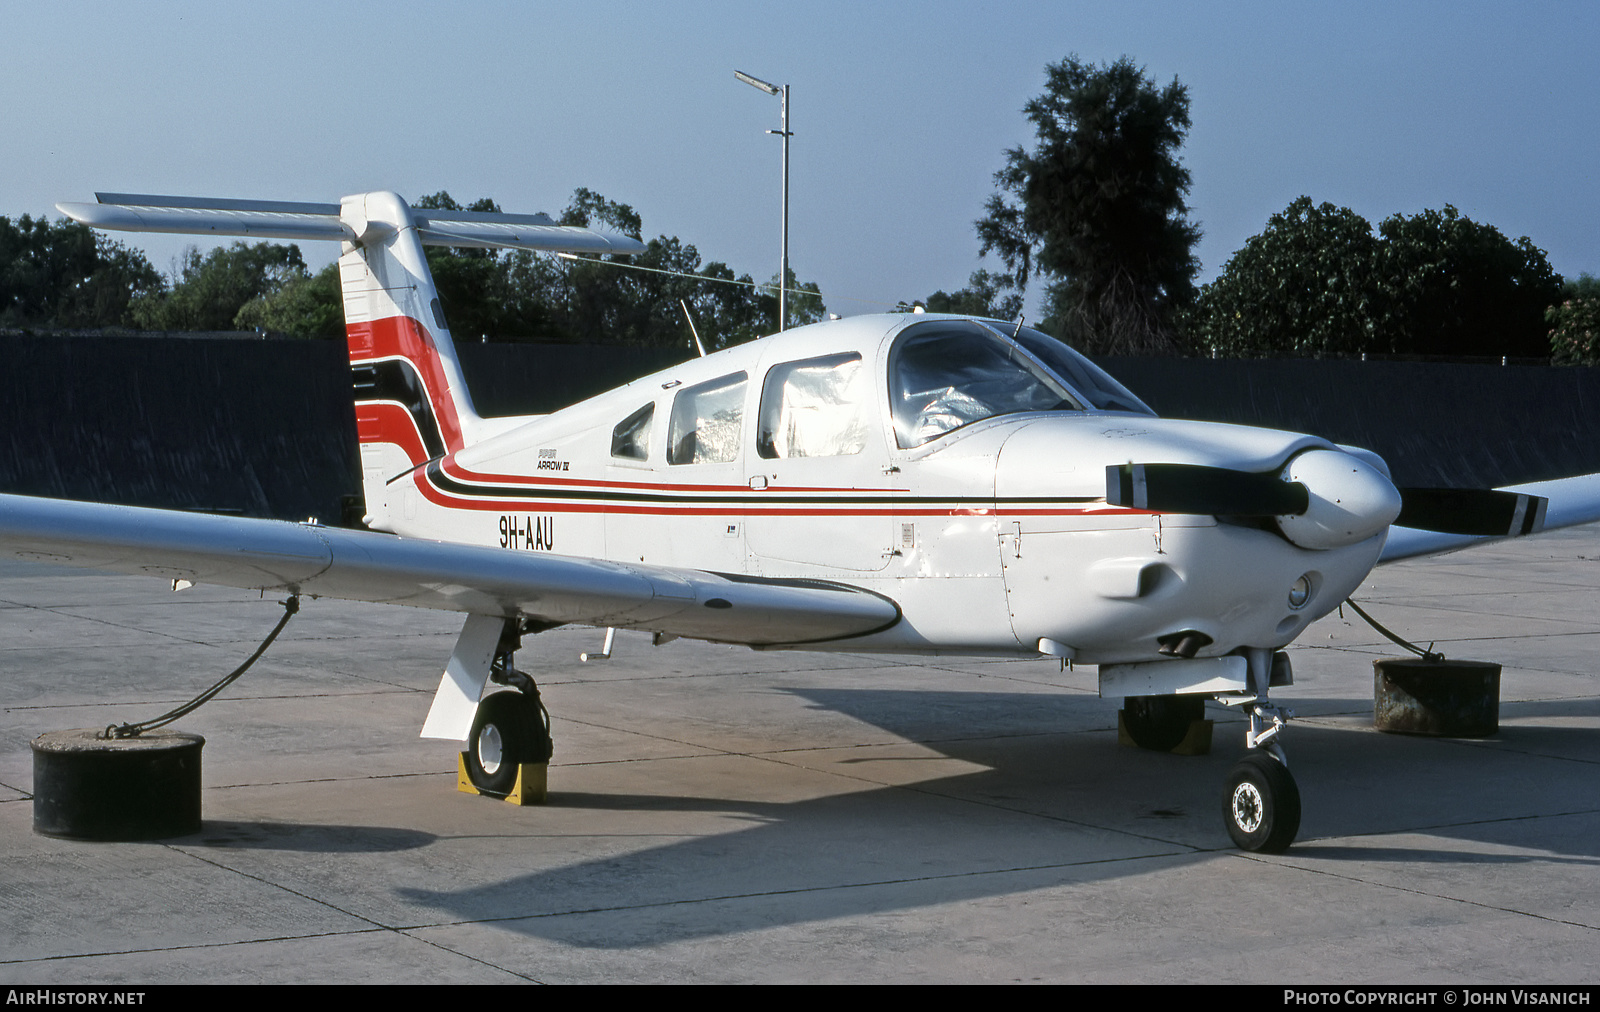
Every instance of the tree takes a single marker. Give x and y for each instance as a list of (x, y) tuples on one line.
[(1098, 207), (65, 275), (1462, 288), (1575, 323), (1318, 281), (516, 295), (209, 291), (981, 297), (473, 287), (597, 300), (310, 306), (588, 208), (1310, 284)]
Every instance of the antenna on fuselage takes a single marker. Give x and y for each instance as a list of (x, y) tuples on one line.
[(698, 346), (1014, 333)]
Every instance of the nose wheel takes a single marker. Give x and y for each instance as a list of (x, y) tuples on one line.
[(1261, 806)]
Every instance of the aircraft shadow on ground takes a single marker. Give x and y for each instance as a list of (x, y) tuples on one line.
[(302, 837), (1044, 809)]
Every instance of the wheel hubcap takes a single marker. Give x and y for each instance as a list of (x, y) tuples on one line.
[(1247, 807), (490, 751)]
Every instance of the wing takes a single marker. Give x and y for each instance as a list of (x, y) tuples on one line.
[(366, 566), (1572, 501)]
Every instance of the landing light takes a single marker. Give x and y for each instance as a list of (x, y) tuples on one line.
[(1300, 593)]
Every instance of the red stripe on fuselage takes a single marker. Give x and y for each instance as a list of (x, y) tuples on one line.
[(746, 507)]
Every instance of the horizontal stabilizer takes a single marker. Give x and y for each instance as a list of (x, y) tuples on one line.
[(275, 219)]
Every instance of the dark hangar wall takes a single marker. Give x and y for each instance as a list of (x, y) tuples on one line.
[(1435, 423), (232, 423), (263, 428), (266, 427)]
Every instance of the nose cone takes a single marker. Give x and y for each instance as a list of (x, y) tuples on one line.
[(1350, 500)]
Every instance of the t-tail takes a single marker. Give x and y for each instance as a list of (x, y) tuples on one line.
[(411, 400)]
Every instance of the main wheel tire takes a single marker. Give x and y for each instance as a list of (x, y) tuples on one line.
[(500, 742), (1261, 805), (1159, 723)]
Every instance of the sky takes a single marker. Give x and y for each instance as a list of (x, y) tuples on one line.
[(901, 112)]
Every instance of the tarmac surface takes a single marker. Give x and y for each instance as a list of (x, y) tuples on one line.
[(723, 815)]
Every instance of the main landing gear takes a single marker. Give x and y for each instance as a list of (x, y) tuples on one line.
[(509, 747), (1160, 723)]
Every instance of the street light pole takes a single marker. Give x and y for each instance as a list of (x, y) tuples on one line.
[(783, 263)]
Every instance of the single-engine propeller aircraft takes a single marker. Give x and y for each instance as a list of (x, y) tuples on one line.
[(908, 483)]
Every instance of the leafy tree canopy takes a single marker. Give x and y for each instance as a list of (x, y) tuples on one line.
[(981, 297), (1462, 288), (1584, 286), (1575, 323), (65, 275), (1309, 284), (209, 291), (1097, 207), (1318, 281), (521, 295), (310, 305)]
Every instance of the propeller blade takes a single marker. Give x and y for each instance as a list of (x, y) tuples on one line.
[(1471, 511), (1201, 489)]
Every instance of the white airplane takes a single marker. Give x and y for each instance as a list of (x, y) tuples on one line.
[(910, 484)]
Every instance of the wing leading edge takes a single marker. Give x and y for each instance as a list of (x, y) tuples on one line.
[(365, 566)]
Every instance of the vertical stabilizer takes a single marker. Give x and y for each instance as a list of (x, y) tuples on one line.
[(412, 403)]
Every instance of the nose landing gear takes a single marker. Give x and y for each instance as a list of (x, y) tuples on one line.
[(1261, 806)]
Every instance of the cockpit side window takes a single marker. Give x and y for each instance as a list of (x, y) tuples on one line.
[(949, 373), (814, 408), (631, 438), (706, 421)]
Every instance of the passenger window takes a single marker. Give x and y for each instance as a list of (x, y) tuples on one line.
[(706, 421), (813, 408), (631, 437)]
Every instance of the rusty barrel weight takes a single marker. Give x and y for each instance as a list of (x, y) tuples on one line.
[(1448, 699), (90, 788)]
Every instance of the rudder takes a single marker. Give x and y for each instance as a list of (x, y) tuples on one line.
[(411, 400)]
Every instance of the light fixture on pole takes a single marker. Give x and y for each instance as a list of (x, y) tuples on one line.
[(783, 265)]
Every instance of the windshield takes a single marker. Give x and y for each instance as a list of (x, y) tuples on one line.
[(947, 373), (1090, 381)]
